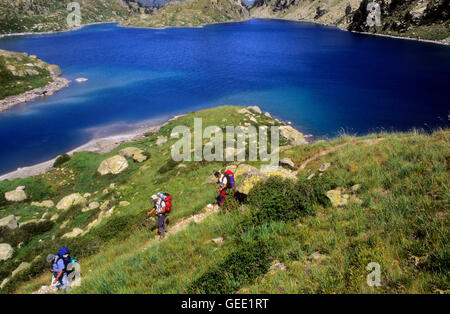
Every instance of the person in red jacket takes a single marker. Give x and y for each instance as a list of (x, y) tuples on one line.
[(222, 190)]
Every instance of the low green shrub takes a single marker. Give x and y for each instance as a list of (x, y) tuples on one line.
[(239, 268), (25, 233), (169, 165), (60, 160), (231, 202), (286, 200)]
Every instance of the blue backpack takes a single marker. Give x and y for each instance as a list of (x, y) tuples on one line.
[(230, 179)]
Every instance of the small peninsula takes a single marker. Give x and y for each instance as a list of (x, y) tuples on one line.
[(24, 77)]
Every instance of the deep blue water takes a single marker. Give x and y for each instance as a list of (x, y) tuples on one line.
[(322, 79)]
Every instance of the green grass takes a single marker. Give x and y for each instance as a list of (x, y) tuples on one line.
[(401, 222)]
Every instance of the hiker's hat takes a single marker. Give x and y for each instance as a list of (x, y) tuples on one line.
[(154, 197)]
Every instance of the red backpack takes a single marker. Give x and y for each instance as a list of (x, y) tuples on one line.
[(167, 198)]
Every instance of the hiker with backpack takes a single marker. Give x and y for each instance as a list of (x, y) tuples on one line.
[(162, 206), (225, 182), (59, 268)]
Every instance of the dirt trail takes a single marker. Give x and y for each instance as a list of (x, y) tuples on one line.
[(369, 141), (181, 225)]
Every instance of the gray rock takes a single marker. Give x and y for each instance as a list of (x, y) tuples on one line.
[(292, 135), (255, 109), (71, 200), (324, 167), (46, 290), (6, 251), (317, 256), (94, 205), (18, 195), (161, 140), (276, 266), (113, 165), (74, 233), (22, 267), (219, 240), (287, 162), (9, 221)]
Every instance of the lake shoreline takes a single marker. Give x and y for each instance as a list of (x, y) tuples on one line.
[(48, 90), (100, 145), (55, 32), (215, 23)]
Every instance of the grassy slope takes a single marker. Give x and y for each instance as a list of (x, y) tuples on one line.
[(51, 15), (191, 13), (14, 85), (402, 222)]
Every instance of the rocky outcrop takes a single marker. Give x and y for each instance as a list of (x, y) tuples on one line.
[(324, 167), (427, 18), (46, 290), (46, 204), (255, 109), (252, 177), (218, 240), (287, 162), (73, 234), (21, 268), (113, 165), (21, 65), (292, 135), (9, 222), (6, 251), (18, 195), (71, 200), (133, 152), (341, 197), (161, 140)]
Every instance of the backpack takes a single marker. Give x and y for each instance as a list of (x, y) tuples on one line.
[(66, 263), (167, 198), (230, 179)]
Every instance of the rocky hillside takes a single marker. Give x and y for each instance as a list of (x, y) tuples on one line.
[(27, 76), (155, 3), (192, 13), (311, 226), (50, 15), (426, 19)]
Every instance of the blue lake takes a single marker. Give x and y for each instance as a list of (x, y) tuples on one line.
[(325, 81)]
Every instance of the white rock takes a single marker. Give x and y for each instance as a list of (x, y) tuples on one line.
[(9, 221), (18, 195), (6, 251), (324, 167), (74, 233), (255, 109), (70, 200), (113, 165)]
